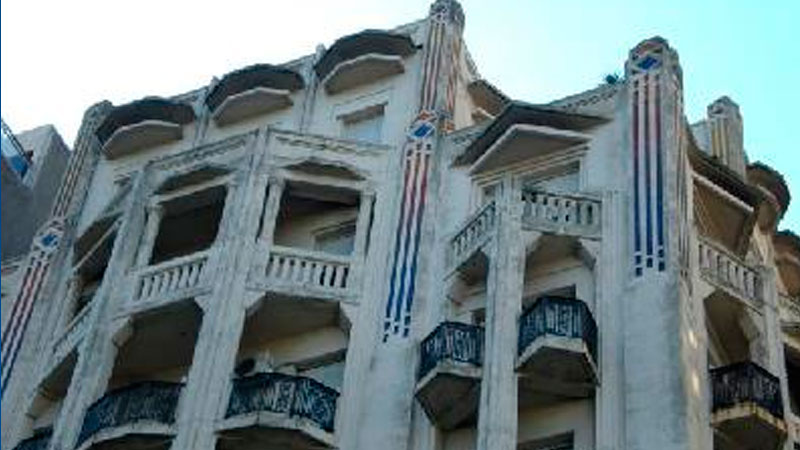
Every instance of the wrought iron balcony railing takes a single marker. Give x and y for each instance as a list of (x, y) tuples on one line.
[(558, 316), (746, 382), (150, 401), (451, 341), (296, 396), (39, 441)]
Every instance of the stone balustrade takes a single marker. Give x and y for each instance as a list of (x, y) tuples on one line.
[(561, 213), (473, 234), (305, 268), (171, 277), (726, 270), (72, 335)]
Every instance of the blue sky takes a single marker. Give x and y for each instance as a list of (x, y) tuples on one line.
[(55, 64)]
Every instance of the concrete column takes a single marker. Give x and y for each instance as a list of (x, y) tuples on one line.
[(773, 340), (271, 209), (154, 215), (362, 224), (497, 418)]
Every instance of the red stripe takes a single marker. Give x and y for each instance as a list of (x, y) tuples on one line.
[(20, 319)]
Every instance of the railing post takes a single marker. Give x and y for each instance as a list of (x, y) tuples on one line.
[(154, 214)]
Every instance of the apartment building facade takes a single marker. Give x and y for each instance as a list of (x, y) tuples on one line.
[(373, 247)]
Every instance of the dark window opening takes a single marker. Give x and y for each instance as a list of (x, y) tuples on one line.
[(321, 218), (91, 272), (189, 224), (793, 378)]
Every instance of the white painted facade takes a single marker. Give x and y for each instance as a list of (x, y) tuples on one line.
[(372, 247)]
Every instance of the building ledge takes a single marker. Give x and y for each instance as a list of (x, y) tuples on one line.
[(272, 427), (521, 142)]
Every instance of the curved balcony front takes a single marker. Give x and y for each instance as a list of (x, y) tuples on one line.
[(747, 407), (141, 414), (362, 58), (449, 376), (142, 124), (557, 350), (273, 409), (254, 90)]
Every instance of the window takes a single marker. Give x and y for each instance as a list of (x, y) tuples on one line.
[(338, 241), (190, 224), (364, 125)]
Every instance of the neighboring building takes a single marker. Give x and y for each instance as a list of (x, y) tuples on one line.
[(32, 166), (371, 247)]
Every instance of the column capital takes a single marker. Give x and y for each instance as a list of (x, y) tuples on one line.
[(367, 194), (276, 180), (155, 208)]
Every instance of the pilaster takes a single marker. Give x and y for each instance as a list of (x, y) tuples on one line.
[(155, 213), (664, 402), (497, 416)]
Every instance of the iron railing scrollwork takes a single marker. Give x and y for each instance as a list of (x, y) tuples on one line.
[(559, 316), (295, 396), (746, 382), (451, 341), (39, 441), (152, 401)]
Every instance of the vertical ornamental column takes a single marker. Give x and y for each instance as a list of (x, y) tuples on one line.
[(658, 295), (497, 417), (437, 101), (656, 114), (725, 130)]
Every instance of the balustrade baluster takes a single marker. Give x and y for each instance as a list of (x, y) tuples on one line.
[(338, 278), (147, 282), (328, 276)]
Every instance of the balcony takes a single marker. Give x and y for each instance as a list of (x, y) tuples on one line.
[(39, 441), (138, 414), (172, 280), (728, 273), (563, 214), (475, 233), (269, 410), (70, 338), (450, 374), (307, 272), (143, 124), (363, 58), (557, 351), (747, 409), (254, 90)]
